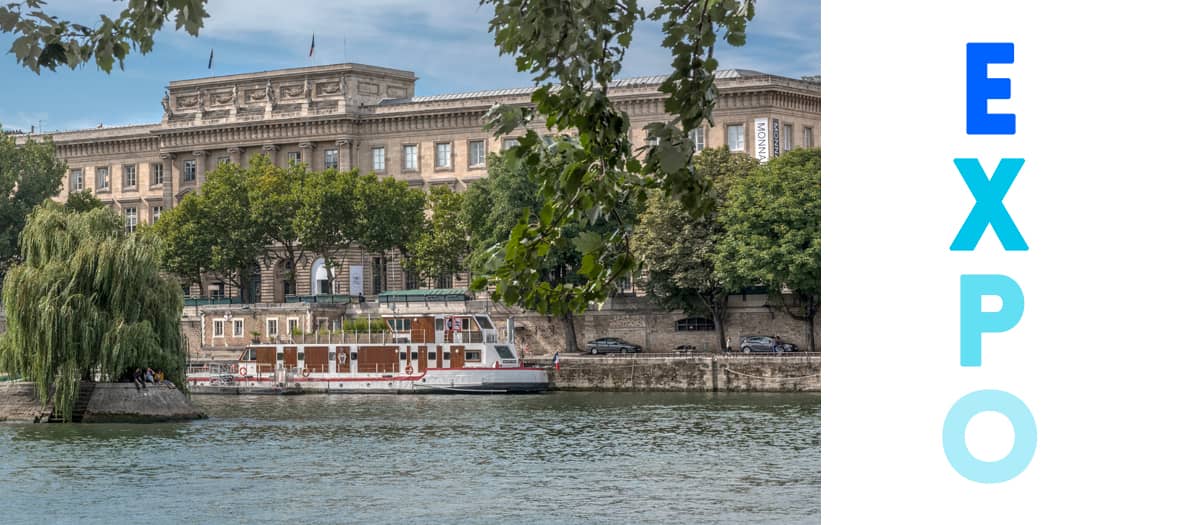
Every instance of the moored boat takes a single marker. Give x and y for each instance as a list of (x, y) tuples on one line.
[(429, 354)]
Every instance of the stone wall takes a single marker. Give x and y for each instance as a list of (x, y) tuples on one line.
[(110, 402), (19, 403), (689, 374)]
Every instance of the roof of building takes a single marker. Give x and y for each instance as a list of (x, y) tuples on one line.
[(724, 74)]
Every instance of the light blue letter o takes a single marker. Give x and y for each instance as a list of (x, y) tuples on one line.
[(954, 436)]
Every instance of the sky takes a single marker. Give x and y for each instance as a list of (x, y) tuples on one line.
[(444, 42)]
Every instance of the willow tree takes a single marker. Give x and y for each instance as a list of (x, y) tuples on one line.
[(88, 302)]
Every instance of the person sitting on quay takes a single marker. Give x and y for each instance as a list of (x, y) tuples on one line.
[(137, 377), (149, 376)]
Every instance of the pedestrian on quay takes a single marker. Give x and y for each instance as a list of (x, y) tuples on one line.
[(137, 377)]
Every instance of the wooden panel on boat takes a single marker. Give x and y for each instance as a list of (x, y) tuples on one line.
[(290, 357), (422, 330), (315, 358), (457, 356), (422, 363), (266, 359), (376, 359)]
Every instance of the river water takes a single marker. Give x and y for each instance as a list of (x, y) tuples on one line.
[(562, 457)]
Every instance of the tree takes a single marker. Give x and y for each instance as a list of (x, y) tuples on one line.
[(584, 160), (47, 41), (389, 215), (29, 174), (212, 231), (442, 247), (88, 302), (82, 201), (326, 216), (275, 199), (772, 231), (679, 250)]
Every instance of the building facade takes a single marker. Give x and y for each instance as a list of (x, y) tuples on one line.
[(352, 116)]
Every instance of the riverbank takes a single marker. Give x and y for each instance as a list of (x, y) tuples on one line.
[(680, 373), (100, 403)]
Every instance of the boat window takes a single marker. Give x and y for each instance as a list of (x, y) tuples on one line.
[(484, 322), (504, 352), (299, 356), (413, 355), (253, 355), (438, 325), (446, 355), (403, 356), (471, 355), (354, 356), (430, 356)]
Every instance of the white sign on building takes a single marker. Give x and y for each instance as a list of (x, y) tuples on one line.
[(356, 280), (762, 139)]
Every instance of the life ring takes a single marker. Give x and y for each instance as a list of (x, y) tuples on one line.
[(409, 370), (306, 372), (242, 371), (342, 357)]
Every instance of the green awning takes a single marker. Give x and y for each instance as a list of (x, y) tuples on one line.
[(431, 294)]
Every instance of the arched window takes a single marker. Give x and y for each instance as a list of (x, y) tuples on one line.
[(695, 324), (319, 278)]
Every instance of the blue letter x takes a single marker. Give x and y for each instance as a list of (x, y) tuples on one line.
[(989, 205)]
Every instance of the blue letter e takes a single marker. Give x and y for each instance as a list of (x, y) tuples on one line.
[(980, 89), (973, 321)]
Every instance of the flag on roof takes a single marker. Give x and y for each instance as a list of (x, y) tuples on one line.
[(210, 58), (311, 51)]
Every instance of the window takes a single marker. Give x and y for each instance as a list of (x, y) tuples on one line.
[(695, 324), (414, 355), (156, 211), (130, 177), (788, 137), (218, 328), (471, 355), (807, 138), (652, 142), (401, 325), (157, 174), (735, 137), (292, 325), (697, 137), (379, 159), (221, 161), (411, 281), (217, 290), (190, 171), (239, 327), (331, 159), (102, 178), (76, 183), (272, 327), (509, 143), (442, 155), (475, 154), (443, 281), (294, 157), (132, 216), (504, 352), (431, 356), (410, 157)]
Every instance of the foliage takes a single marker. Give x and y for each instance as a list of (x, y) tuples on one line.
[(326, 214), (772, 223), (48, 41), (389, 214), (678, 249), (275, 196), (364, 326), (82, 201), (88, 299), (212, 231), (29, 174), (585, 163), (442, 246)]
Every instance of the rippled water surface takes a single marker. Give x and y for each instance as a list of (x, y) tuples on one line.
[(565, 457)]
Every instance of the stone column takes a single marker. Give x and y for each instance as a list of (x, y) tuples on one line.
[(200, 155), (344, 146), (169, 162), (235, 155), (306, 148), (269, 150)]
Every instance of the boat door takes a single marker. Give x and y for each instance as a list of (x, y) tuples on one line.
[(315, 359), (290, 357), (266, 359), (422, 361), (457, 356)]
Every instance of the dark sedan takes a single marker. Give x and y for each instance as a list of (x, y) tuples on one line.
[(604, 345), (764, 344)]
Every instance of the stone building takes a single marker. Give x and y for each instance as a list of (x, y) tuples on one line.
[(349, 116)]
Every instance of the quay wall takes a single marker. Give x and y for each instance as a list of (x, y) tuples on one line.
[(110, 403), (710, 373)]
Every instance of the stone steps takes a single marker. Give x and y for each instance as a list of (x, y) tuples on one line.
[(85, 392)]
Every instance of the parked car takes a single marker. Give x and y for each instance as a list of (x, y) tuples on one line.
[(685, 349), (604, 345), (764, 344)]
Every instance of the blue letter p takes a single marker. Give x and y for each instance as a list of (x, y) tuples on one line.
[(973, 321)]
